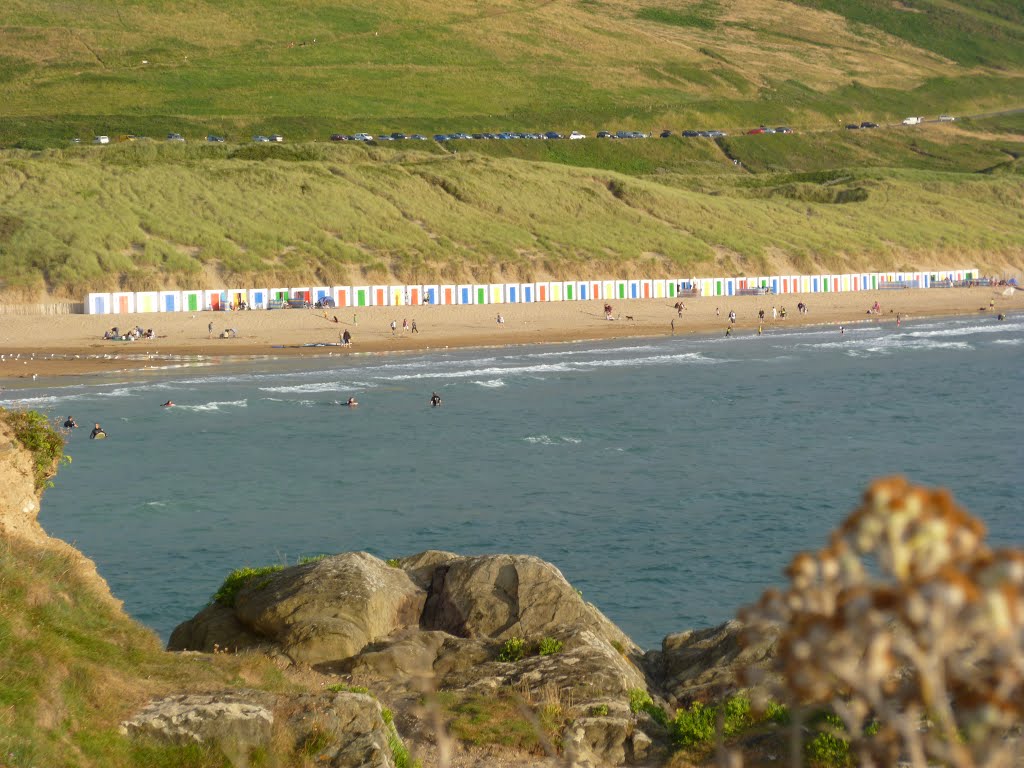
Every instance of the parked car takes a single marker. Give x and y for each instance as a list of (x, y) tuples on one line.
[(260, 139), (913, 120), (363, 137), (396, 136), (665, 134), (691, 134), (175, 137), (440, 137), (946, 118), (852, 127), (417, 137), (783, 129), (552, 135), (215, 139), (867, 124), (277, 138), (605, 135), (717, 134), (577, 135), (100, 139), (339, 137), (754, 131)]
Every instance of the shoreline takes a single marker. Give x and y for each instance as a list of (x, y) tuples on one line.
[(48, 346)]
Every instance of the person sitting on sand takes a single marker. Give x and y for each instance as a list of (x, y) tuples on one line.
[(72, 424), (97, 431)]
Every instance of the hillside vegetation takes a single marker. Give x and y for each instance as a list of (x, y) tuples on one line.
[(306, 68), (145, 216)]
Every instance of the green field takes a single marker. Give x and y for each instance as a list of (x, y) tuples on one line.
[(147, 214)]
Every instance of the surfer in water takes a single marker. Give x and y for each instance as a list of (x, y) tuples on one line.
[(72, 424), (168, 404), (97, 431), (435, 400), (352, 402)]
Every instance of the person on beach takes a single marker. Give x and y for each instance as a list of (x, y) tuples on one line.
[(760, 315), (70, 423), (775, 314), (346, 337), (405, 325), (898, 316), (209, 330), (718, 312), (672, 325), (501, 320), (96, 432), (414, 328), (435, 400), (394, 327), (991, 304), (732, 317), (758, 329), (728, 330)]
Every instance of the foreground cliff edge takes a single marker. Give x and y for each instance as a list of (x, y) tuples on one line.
[(447, 660)]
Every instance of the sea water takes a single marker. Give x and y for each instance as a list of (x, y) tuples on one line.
[(670, 480)]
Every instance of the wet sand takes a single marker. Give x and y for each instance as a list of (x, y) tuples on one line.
[(68, 345)]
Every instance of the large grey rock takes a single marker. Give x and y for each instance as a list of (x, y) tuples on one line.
[(236, 723), (321, 611), (341, 730), (503, 596), (702, 664), (607, 740), (213, 629)]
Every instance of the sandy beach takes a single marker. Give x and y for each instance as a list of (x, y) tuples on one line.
[(68, 345)]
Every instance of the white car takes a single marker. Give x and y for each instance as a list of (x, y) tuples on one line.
[(946, 118), (577, 135), (100, 139), (913, 120)]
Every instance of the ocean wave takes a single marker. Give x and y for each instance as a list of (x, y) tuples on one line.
[(491, 383), (966, 330), (215, 405), (548, 440)]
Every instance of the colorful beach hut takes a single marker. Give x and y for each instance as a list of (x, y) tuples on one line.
[(342, 295), (496, 293), (147, 301), (257, 298), (98, 304), (397, 295), (122, 303), (169, 301), (379, 295), (449, 294), (430, 294)]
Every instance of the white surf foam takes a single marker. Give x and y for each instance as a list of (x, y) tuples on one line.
[(214, 406)]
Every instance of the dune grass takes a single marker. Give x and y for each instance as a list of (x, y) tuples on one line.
[(148, 216)]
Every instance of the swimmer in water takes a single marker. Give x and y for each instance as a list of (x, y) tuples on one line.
[(97, 431), (72, 424), (435, 400), (352, 402), (168, 404)]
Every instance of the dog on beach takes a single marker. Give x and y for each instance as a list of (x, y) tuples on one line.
[(629, 317)]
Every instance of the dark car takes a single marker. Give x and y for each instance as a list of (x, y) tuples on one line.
[(783, 129), (690, 134), (866, 124), (338, 137), (852, 127), (552, 135), (215, 139), (605, 135), (440, 137), (666, 134), (397, 136)]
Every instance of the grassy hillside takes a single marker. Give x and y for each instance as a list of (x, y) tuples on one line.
[(147, 215), (307, 68)]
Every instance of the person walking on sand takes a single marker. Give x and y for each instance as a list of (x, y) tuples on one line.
[(775, 314), (728, 330), (346, 337), (209, 330), (672, 325), (394, 327), (414, 328), (718, 312), (759, 329), (405, 325)]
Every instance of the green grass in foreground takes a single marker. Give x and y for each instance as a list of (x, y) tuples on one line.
[(145, 216)]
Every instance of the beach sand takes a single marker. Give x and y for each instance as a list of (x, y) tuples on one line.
[(67, 345)]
